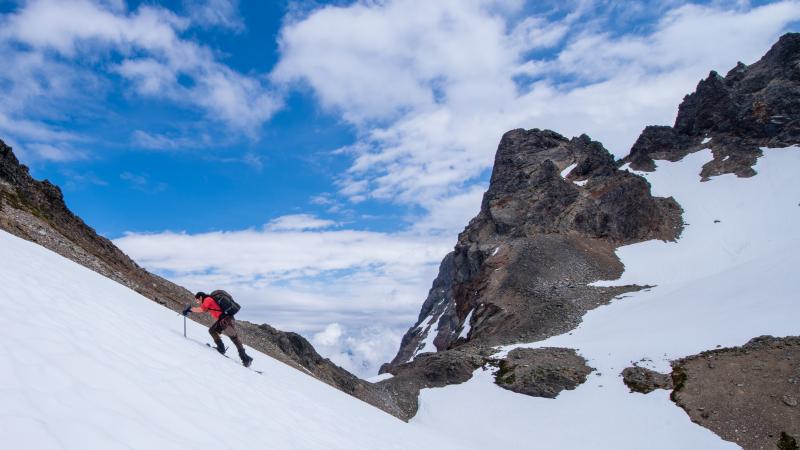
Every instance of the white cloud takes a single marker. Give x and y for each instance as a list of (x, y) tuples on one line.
[(53, 153), (329, 336), (274, 255), (215, 13), (361, 353), (68, 49), (76, 180), (298, 222), (155, 141)]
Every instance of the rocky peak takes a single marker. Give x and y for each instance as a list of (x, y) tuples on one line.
[(751, 107), (529, 195), (752, 102)]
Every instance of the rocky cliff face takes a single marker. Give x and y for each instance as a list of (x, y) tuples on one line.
[(557, 209), (35, 210)]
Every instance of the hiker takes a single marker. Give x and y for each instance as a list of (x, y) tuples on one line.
[(225, 323)]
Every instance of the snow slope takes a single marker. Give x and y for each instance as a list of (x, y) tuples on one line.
[(730, 277), (86, 363)]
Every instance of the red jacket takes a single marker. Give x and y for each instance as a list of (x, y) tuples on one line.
[(210, 305)]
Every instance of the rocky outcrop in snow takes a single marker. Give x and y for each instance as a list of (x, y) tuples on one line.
[(749, 395), (541, 372)]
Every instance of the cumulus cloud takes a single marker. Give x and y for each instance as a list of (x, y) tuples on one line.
[(66, 54), (361, 352)]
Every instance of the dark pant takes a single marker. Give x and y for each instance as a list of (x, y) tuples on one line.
[(226, 325)]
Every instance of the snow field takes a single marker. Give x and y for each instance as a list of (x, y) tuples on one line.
[(86, 363)]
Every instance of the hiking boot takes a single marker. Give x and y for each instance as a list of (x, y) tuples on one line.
[(220, 347), (246, 360)]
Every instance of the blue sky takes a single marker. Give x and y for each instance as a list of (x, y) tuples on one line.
[(319, 159)]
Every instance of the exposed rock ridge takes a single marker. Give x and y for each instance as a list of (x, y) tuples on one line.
[(35, 211), (752, 106)]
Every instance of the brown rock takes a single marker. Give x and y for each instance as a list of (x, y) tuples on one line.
[(750, 407)]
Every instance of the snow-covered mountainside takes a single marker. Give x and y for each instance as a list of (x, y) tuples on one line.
[(86, 363)]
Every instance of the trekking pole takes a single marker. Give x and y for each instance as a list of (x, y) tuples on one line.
[(184, 318)]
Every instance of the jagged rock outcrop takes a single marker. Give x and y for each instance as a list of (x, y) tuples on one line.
[(749, 395), (430, 370), (35, 210), (557, 209), (752, 106)]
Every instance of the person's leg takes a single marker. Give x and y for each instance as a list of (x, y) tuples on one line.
[(230, 331), (215, 331)]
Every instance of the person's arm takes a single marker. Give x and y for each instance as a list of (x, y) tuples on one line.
[(199, 309)]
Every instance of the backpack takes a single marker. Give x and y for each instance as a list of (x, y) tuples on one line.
[(226, 303)]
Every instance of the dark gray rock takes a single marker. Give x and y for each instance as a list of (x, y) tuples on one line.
[(787, 442), (758, 102), (751, 107), (542, 372), (429, 370), (660, 142), (642, 380)]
